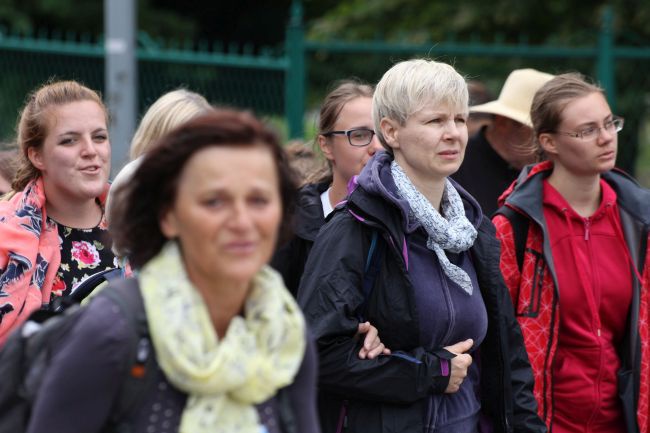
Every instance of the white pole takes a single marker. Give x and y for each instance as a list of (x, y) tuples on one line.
[(121, 76)]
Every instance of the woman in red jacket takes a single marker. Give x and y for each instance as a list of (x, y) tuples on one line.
[(580, 292)]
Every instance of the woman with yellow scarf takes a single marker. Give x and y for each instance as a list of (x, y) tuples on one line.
[(199, 220)]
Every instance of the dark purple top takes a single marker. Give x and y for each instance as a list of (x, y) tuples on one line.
[(447, 315), (84, 377)]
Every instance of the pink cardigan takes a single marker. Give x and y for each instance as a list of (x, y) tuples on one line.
[(29, 256)]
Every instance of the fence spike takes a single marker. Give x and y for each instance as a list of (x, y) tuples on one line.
[(217, 46)]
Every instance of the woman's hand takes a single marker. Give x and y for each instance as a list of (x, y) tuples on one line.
[(372, 345), (459, 364)]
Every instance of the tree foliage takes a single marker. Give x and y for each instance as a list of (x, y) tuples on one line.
[(550, 21), (86, 16)]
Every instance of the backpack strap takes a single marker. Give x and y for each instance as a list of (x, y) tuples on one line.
[(371, 269), (519, 225), (141, 367), (85, 288)]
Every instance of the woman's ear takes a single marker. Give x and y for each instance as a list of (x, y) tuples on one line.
[(390, 130), (35, 157), (325, 147), (169, 225), (547, 143)]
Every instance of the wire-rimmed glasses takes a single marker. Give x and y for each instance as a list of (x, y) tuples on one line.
[(613, 126)]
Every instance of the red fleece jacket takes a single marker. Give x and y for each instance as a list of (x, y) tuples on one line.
[(595, 294)]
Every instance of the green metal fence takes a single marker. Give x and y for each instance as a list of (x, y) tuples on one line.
[(621, 69), (224, 75), (290, 81)]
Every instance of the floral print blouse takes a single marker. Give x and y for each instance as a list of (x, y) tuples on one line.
[(84, 252)]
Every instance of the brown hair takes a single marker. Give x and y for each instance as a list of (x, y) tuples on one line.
[(8, 165), (552, 98), (152, 190), (32, 124), (303, 160), (343, 92)]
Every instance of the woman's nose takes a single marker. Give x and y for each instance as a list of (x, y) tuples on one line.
[(88, 147), (374, 145), (241, 218), (605, 135)]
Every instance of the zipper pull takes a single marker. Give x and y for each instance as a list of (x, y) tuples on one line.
[(587, 225)]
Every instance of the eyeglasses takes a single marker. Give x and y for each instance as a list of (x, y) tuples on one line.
[(357, 137), (612, 126)]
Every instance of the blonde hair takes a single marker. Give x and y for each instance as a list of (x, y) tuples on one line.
[(410, 85), (32, 124), (169, 111)]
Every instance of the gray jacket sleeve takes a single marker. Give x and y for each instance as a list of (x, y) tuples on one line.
[(82, 380)]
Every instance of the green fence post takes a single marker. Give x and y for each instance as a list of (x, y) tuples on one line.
[(294, 87), (606, 62)]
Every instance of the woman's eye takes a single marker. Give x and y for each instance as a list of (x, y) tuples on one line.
[(65, 141), (461, 120), (259, 201), (212, 202), (101, 138), (436, 120), (588, 132)]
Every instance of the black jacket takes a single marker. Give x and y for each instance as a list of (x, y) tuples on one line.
[(390, 393), (290, 258), (496, 174)]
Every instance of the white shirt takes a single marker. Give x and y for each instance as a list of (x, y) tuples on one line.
[(325, 201)]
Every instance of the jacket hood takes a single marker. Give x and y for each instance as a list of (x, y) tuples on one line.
[(525, 192), (526, 173), (309, 217), (376, 179)]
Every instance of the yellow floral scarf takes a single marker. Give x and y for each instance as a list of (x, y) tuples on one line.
[(259, 354)]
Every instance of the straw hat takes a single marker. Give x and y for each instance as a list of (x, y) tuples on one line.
[(516, 96)]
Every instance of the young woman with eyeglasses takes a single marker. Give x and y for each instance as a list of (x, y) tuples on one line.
[(347, 139), (581, 293)]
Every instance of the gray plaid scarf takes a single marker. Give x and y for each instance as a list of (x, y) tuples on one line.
[(453, 232)]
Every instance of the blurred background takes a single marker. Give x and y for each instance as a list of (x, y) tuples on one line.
[(279, 57)]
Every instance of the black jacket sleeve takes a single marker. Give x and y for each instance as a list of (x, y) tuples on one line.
[(289, 260), (506, 369), (329, 294)]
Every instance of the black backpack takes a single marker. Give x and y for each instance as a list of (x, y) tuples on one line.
[(519, 223), (26, 355)]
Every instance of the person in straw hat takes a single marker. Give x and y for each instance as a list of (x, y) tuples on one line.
[(499, 150)]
